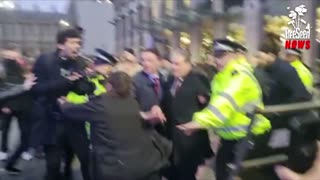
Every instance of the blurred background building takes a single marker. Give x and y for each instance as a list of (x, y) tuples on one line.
[(94, 17), (33, 31), (33, 28), (194, 24)]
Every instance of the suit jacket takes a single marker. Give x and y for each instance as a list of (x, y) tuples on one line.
[(146, 96), (144, 91), (179, 109), (286, 86), (50, 86), (119, 142)]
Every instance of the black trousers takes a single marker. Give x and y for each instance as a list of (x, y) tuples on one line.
[(6, 122), (25, 130), (226, 155), (182, 172), (154, 176), (69, 142)]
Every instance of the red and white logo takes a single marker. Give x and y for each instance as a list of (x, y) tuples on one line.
[(297, 35)]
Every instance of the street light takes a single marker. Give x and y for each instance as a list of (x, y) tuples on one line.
[(7, 5), (104, 1), (64, 23)]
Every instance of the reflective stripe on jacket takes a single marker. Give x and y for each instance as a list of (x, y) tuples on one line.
[(74, 98), (304, 74), (234, 91)]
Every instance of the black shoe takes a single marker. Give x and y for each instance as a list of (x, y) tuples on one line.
[(12, 171)]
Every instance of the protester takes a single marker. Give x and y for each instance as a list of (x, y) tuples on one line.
[(59, 73), (121, 148)]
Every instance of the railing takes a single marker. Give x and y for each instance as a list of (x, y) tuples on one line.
[(247, 143)]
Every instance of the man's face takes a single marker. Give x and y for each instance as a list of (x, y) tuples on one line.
[(150, 62), (222, 59), (179, 66), (71, 47)]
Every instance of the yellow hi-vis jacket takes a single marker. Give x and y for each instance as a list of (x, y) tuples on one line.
[(74, 98), (304, 74), (234, 90)]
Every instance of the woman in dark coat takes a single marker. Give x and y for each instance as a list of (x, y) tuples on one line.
[(187, 92), (121, 148)]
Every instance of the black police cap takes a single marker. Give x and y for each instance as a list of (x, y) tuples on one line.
[(104, 57), (224, 45)]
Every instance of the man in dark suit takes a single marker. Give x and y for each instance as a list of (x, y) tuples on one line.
[(148, 84), (284, 83), (186, 92), (57, 75)]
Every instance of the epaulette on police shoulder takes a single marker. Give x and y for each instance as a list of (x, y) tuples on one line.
[(234, 72)]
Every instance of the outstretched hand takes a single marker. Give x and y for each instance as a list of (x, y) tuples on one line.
[(154, 115), (30, 80), (190, 127)]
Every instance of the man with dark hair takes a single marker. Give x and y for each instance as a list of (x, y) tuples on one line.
[(58, 74), (285, 85), (149, 92), (149, 82)]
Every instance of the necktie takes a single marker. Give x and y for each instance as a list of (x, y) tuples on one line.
[(177, 84), (156, 85)]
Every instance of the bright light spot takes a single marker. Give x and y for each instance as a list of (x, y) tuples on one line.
[(230, 38), (7, 5), (99, 1), (108, 1), (185, 40), (64, 23)]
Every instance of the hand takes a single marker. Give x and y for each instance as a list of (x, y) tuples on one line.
[(155, 114), (62, 100), (29, 81), (6, 110), (74, 76), (313, 173), (286, 174), (89, 70), (158, 114), (202, 99), (190, 127)]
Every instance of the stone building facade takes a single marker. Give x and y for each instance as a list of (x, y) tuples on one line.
[(33, 31), (146, 23)]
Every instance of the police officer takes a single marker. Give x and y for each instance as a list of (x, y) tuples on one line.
[(293, 56), (80, 132), (234, 89)]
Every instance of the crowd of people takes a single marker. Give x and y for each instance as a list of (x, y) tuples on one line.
[(145, 116)]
